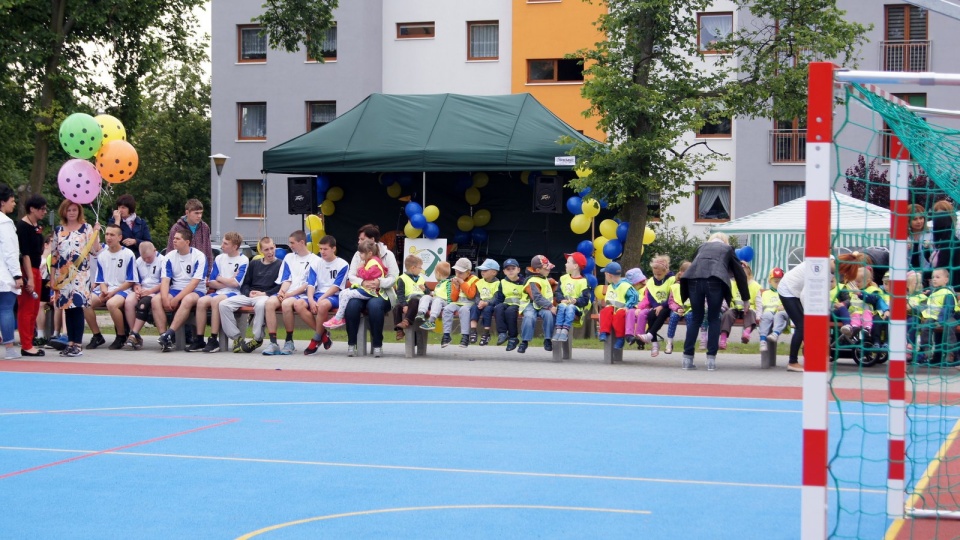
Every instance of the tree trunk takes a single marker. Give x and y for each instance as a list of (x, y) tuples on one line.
[(636, 211), (44, 118)]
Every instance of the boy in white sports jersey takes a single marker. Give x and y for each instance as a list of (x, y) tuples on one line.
[(322, 288), (294, 273), (116, 273), (183, 283), (150, 266), (228, 270)]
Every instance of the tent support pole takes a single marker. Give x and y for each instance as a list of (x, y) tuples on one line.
[(423, 191)]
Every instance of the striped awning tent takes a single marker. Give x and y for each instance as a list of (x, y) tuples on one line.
[(777, 234)]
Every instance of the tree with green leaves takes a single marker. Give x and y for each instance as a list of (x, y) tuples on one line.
[(290, 23), (651, 89)]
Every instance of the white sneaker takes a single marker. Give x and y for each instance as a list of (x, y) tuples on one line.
[(272, 349), (772, 338), (377, 352), (351, 350), (763, 345), (655, 349), (288, 348), (646, 338), (668, 347)]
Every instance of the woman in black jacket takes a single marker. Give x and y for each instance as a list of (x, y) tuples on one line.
[(707, 284), (134, 228)]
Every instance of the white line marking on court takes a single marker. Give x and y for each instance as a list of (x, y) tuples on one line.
[(437, 469)]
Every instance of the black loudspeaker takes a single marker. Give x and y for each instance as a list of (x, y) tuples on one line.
[(548, 195), (301, 195)]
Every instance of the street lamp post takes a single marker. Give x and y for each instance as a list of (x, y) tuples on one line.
[(218, 161)]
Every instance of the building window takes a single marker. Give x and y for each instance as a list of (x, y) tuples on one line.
[(328, 46), (249, 198), (788, 141), (320, 113), (784, 192), (252, 121), (713, 201), (712, 28), (653, 207), (415, 30), (892, 148), (905, 46), (483, 40), (720, 129), (251, 46), (560, 70)]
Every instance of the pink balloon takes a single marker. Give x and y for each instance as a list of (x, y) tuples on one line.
[(79, 181)]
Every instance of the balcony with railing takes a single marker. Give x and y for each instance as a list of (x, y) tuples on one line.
[(788, 146), (911, 55)]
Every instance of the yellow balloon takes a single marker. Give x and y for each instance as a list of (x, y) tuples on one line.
[(465, 223), (582, 171), (335, 193), (314, 222), (481, 218), (112, 128), (600, 291), (580, 224), (598, 243), (310, 247), (327, 208), (473, 196), (410, 231), (480, 180), (525, 177), (648, 236), (316, 235), (608, 228), (601, 259), (590, 207), (431, 213), (393, 190)]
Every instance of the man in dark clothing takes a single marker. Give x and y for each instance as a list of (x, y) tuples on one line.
[(259, 284), (193, 222), (30, 236)]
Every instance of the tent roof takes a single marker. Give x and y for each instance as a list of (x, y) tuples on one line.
[(846, 214), (437, 132)]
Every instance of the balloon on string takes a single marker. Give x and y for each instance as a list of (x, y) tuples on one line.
[(590, 267), (327, 207), (598, 244), (585, 191), (479, 235), (410, 231), (79, 181), (608, 228), (314, 222), (418, 221), (393, 190), (405, 180), (525, 177), (309, 237), (335, 193), (612, 249), (590, 207), (412, 208), (117, 161), (480, 180), (603, 204), (746, 254), (461, 237), (431, 213), (385, 179), (648, 236), (599, 291), (622, 230), (585, 247), (322, 186), (591, 279), (481, 218), (575, 205), (281, 253), (80, 136), (465, 223), (580, 224), (431, 231), (472, 195), (602, 260), (112, 128), (582, 171)]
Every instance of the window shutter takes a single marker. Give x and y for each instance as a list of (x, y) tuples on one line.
[(896, 30)]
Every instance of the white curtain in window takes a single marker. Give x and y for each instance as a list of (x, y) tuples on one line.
[(330, 41), (254, 121), (709, 195), (253, 45), (251, 198), (322, 113), (484, 41), (719, 26), (789, 192)]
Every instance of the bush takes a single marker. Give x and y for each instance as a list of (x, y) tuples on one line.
[(678, 244)]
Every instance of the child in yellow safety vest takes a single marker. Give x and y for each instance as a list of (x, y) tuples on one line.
[(509, 304), (539, 289), (865, 300), (467, 283), (431, 307), (740, 311), (620, 296), (482, 311), (772, 315), (938, 316), (916, 302), (573, 296), (409, 287), (678, 308), (654, 304)]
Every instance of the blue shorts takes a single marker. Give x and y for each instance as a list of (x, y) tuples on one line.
[(334, 300), (174, 292), (225, 295), (122, 293)]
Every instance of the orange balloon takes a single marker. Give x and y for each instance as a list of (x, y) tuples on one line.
[(117, 161)]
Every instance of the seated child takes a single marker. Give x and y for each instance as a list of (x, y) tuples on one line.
[(482, 311), (509, 299), (466, 283), (739, 310), (916, 302), (539, 294), (655, 299), (372, 268), (431, 306), (410, 287), (772, 315), (573, 296), (864, 299), (678, 309), (938, 313), (635, 321), (620, 297)]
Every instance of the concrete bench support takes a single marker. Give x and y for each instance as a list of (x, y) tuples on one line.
[(415, 342), (610, 354)]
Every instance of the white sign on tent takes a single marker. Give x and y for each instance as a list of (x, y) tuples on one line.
[(430, 252)]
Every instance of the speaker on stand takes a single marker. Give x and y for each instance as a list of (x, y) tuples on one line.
[(301, 195), (548, 195)]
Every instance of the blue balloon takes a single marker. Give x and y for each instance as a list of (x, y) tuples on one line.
[(591, 283), (591, 266), (419, 221), (386, 179), (746, 254), (603, 204), (405, 180), (585, 191), (585, 247), (622, 230), (461, 237), (737, 253), (464, 182), (612, 249), (430, 230), (479, 235), (574, 205), (323, 184), (281, 253), (309, 237), (412, 209)]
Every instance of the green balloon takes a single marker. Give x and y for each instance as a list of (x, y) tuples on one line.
[(81, 136)]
